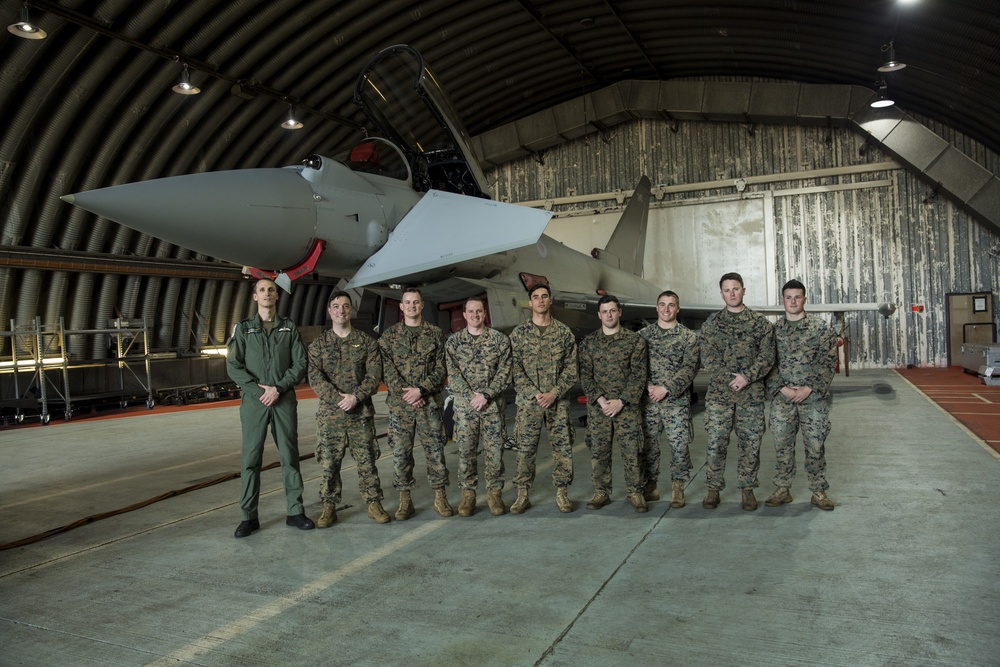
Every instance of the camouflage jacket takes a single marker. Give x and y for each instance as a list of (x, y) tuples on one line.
[(543, 363), (736, 343), (349, 365), (807, 357), (614, 366), (255, 357), (413, 358), (479, 364), (673, 361)]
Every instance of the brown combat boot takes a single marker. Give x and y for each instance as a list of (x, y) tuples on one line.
[(441, 503), (522, 503), (406, 509), (375, 511), (494, 499), (599, 500), (779, 497), (711, 500), (562, 500), (650, 492), (468, 505), (677, 494), (749, 501), (822, 501), (637, 501), (328, 517)]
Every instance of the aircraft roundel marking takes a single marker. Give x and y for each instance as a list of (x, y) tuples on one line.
[(542, 250)]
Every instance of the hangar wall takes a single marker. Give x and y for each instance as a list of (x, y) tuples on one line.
[(862, 236)]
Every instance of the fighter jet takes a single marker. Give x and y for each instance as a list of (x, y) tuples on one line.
[(407, 208)]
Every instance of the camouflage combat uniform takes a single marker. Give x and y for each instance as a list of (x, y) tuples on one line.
[(479, 364), (673, 362), (349, 365), (615, 367), (735, 343), (414, 357), (276, 358), (807, 357), (543, 362)]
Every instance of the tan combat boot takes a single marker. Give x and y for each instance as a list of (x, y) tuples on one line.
[(468, 505), (711, 500), (328, 517), (822, 501), (677, 494), (650, 492), (441, 503), (637, 501), (522, 503), (599, 500), (749, 501), (406, 509), (375, 511), (779, 497), (494, 498), (562, 500)]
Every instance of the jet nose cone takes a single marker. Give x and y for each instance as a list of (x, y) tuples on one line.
[(257, 217)]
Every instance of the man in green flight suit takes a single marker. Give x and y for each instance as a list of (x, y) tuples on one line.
[(266, 358)]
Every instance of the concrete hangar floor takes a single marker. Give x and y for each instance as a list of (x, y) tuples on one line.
[(905, 571)]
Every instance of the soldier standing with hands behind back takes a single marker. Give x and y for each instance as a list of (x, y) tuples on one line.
[(673, 362)]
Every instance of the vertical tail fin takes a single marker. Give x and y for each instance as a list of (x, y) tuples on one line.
[(626, 249)]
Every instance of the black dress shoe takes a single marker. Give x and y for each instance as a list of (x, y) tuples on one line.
[(247, 527), (300, 521)]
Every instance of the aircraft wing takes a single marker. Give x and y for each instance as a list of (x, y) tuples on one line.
[(445, 229)]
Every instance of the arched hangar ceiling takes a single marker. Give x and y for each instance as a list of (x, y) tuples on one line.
[(92, 106)]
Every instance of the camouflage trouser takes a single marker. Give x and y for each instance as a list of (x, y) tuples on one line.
[(814, 420), (675, 422), (426, 422), (602, 431), (333, 438), (528, 430), (720, 420), (470, 424)]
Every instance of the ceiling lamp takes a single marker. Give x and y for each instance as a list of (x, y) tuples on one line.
[(184, 86), (892, 64), (882, 98), (25, 28), (291, 123)]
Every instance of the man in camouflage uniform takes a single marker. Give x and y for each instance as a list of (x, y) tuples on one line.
[(613, 372), (799, 388), (544, 353), (345, 369), (673, 362), (266, 358), (479, 368), (414, 367), (737, 351)]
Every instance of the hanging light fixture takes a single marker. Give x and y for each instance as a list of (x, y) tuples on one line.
[(184, 86), (292, 123), (882, 98), (25, 28), (892, 64)]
